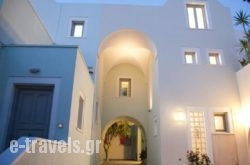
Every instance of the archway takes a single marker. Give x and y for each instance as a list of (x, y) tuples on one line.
[(127, 45), (131, 48), (127, 57), (126, 148)]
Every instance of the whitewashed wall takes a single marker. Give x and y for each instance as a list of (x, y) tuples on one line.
[(82, 87), (180, 86)]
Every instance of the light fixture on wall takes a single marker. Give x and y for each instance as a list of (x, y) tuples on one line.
[(59, 125), (242, 116), (34, 70), (180, 116)]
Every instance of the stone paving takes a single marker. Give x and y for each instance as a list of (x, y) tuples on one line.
[(122, 162)]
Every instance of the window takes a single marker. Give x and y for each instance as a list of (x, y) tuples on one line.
[(124, 87), (190, 57), (96, 111), (220, 122), (196, 16), (80, 114), (77, 28), (214, 58), (198, 131)]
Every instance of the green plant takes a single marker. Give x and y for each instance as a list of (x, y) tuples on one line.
[(119, 128), (197, 158), (247, 1), (143, 154), (245, 48), (243, 19)]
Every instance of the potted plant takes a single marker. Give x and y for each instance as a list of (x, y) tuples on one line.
[(143, 156), (197, 158)]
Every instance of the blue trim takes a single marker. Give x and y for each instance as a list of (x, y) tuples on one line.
[(1, 2)]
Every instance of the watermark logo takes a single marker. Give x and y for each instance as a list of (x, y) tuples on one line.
[(53, 146)]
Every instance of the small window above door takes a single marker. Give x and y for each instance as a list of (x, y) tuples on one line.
[(125, 87), (78, 28)]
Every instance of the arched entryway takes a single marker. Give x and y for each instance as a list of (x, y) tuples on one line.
[(125, 84), (126, 148)]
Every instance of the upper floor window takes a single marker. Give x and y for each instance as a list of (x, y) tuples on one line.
[(190, 57), (78, 28), (214, 58), (196, 16), (125, 87)]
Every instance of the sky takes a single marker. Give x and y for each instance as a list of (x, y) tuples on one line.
[(236, 5)]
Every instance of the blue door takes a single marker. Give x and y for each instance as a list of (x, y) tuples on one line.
[(31, 111)]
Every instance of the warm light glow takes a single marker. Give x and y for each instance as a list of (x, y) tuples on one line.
[(127, 46), (125, 87), (243, 117), (180, 116), (150, 99)]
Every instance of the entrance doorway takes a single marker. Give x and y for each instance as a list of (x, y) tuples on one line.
[(126, 148), (31, 110)]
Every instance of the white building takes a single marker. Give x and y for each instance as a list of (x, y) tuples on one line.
[(175, 63)]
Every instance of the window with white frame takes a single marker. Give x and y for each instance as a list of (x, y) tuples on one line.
[(80, 113), (197, 18), (198, 131), (221, 122), (190, 57), (78, 28), (214, 58), (125, 87)]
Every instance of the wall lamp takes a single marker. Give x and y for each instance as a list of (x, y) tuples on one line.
[(180, 116), (34, 70)]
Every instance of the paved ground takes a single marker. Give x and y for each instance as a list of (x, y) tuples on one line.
[(122, 162)]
